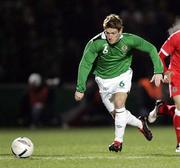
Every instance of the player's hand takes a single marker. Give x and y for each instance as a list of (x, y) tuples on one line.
[(157, 78), (78, 96), (167, 76)]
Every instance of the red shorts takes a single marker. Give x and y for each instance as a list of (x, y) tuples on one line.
[(174, 87)]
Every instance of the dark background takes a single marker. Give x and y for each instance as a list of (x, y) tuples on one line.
[(48, 36)]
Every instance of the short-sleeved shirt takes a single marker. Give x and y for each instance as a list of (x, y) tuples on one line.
[(171, 47)]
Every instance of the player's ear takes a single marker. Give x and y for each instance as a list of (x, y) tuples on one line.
[(121, 30)]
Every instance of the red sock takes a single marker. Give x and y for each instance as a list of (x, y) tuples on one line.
[(165, 109), (171, 110), (176, 123)]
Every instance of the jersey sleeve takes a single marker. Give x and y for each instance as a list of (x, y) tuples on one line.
[(85, 66), (145, 46), (169, 46), (163, 57)]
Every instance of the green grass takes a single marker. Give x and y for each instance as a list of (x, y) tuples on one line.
[(88, 148)]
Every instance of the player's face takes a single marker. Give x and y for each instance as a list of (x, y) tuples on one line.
[(112, 35)]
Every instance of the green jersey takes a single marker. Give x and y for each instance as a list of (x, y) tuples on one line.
[(110, 60)]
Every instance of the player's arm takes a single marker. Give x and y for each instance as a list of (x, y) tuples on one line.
[(167, 73), (145, 46), (167, 48), (85, 66), (149, 48)]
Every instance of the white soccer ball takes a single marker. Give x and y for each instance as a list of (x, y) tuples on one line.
[(22, 147)]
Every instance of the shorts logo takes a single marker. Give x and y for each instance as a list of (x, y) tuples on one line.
[(105, 88), (174, 89), (177, 128)]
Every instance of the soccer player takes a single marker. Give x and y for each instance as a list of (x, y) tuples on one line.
[(108, 55), (171, 47)]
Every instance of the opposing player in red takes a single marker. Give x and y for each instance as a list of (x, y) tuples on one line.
[(171, 47)]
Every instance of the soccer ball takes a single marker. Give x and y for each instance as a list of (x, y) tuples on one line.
[(22, 147)]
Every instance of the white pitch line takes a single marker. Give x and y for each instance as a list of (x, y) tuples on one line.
[(91, 157), (81, 157)]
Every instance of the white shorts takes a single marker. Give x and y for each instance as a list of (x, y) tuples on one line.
[(107, 87)]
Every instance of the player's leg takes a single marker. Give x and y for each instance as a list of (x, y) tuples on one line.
[(120, 125), (121, 88), (114, 94), (155, 112), (124, 117), (175, 93), (161, 108), (141, 123), (127, 118), (105, 89), (120, 119), (166, 109), (176, 121), (119, 100)]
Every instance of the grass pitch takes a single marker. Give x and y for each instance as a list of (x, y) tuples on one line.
[(88, 148)]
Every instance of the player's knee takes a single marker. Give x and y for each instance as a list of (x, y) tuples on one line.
[(119, 104), (178, 105)]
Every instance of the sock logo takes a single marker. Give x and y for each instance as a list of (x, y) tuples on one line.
[(174, 89), (177, 128), (118, 126)]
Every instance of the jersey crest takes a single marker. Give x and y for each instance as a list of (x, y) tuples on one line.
[(124, 48), (174, 89)]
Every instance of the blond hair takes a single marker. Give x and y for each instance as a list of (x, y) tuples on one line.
[(113, 21), (175, 27)]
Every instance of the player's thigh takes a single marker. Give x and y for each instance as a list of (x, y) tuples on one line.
[(177, 101)]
